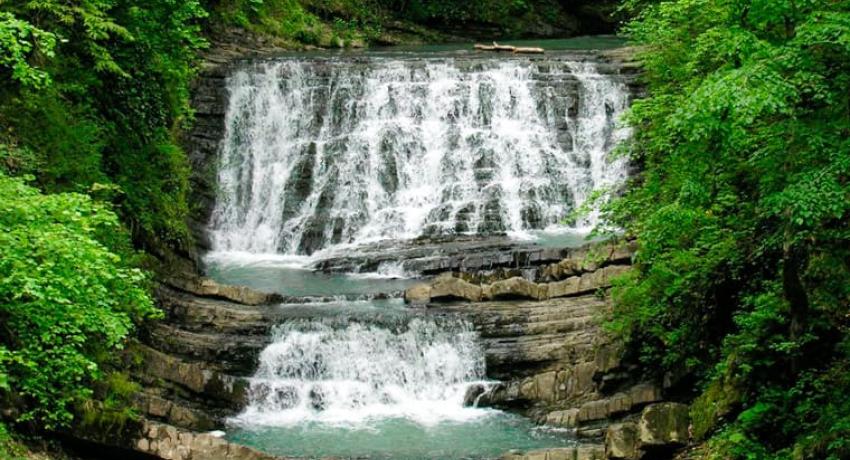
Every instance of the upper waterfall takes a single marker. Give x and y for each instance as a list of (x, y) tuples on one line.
[(321, 152)]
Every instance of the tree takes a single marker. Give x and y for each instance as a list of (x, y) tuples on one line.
[(742, 213)]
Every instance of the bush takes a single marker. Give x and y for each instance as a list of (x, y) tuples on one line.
[(67, 295)]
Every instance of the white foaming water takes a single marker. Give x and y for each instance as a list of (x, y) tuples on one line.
[(356, 374), (322, 153)]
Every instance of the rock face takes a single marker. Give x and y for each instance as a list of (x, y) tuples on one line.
[(193, 365), (621, 441), (664, 424), (542, 338)]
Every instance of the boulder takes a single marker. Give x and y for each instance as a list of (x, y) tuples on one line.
[(418, 294), (448, 288), (663, 424), (470, 398), (621, 441), (516, 287)]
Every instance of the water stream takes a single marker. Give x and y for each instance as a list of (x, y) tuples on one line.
[(325, 152), (324, 156)]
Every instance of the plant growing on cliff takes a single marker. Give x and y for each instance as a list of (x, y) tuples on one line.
[(742, 214), (68, 294)]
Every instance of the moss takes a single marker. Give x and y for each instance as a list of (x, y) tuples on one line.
[(112, 406), (721, 397)]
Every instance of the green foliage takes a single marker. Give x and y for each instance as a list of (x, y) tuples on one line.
[(19, 42), (742, 215), (278, 18), (67, 294), (9, 448), (110, 92)]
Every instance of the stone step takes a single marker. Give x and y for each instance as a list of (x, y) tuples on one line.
[(229, 353), (195, 380), (195, 313), (154, 404), (604, 409)]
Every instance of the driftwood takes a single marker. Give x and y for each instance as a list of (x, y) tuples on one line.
[(508, 48)]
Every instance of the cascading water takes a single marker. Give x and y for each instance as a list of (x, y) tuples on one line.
[(320, 155), (317, 371), (393, 390), (319, 152)]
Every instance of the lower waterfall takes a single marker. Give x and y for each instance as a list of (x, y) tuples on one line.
[(330, 372), (386, 389)]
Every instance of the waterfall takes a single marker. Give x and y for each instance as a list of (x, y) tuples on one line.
[(340, 373), (321, 152)]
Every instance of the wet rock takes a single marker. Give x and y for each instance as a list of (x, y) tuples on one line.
[(500, 395), (231, 353), (201, 379), (449, 288), (436, 254), (317, 399), (664, 424), (170, 411), (202, 314), (470, 398)]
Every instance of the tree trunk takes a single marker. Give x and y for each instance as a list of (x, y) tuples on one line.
[(795, 293)]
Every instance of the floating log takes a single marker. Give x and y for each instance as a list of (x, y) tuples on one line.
[(508, 48)]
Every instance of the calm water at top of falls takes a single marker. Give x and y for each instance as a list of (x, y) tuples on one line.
[(325, 153)]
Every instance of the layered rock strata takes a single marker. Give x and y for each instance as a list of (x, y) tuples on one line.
[(543, 340)]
